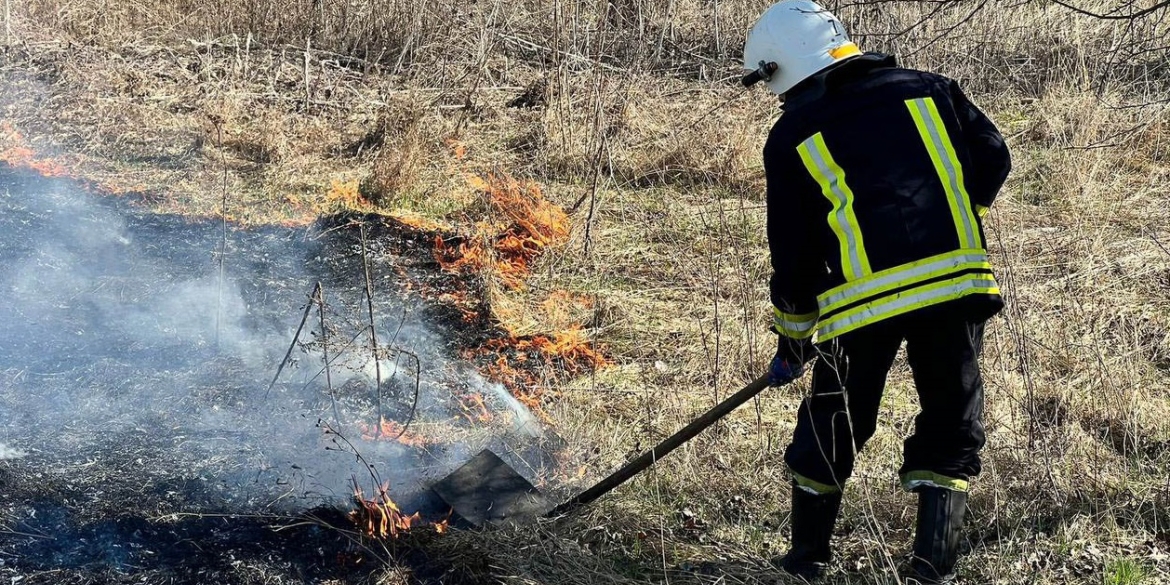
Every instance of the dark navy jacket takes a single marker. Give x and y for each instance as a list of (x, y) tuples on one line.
[(877, 179)]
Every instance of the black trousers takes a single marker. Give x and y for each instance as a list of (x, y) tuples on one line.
[(840, 415)]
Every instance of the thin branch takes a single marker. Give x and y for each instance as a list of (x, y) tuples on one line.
[(947, 32), (223, 236), (350, 448), (1160, 244), (320, 298), (1132, 16), (417, 384), (296, 336), (417, 371), (336, 357), (373, 333)]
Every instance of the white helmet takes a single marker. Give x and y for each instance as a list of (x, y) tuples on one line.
[(792, 41)]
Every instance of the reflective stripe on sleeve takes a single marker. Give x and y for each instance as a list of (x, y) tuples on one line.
[(904, 302), (792, 325), (812, 486), (903, 275), (912, 480), (831, 177), (942, 153)]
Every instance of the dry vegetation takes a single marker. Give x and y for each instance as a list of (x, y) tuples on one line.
[(627, 113)]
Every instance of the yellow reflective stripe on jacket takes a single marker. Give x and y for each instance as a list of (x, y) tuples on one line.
[(915, 479), (811, 485), (905, 301), (942, 153), (831, 177), (792, 325), (903, 275)]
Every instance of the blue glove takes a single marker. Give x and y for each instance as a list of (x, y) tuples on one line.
[(783, 371)]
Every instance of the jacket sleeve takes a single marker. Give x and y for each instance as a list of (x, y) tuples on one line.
[(990, 159), (791, 243)]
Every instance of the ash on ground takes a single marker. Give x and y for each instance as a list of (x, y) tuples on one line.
[(139, 440)]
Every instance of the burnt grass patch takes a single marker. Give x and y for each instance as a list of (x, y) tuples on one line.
[(118, 501)]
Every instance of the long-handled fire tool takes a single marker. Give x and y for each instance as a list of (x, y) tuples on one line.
[(487, 490)]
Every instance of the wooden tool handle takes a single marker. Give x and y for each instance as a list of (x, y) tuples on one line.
[(663, 449)]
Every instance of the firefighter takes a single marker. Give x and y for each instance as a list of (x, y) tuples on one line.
[(878, 178)]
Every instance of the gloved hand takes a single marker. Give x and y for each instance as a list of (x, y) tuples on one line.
[(783, 370)]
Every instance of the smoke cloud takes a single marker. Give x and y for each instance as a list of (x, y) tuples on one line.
[(123, 349)]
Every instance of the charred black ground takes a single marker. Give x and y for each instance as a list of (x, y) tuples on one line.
[(136, 384)]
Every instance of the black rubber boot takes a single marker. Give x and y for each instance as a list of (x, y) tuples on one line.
[(813, 517), (936, 538)]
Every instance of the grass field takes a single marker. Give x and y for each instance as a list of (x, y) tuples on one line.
[(628, 115)]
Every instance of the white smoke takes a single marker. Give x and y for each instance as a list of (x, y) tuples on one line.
[(118, 329), (7, 452)]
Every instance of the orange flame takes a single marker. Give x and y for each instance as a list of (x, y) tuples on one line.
[(380, 517), (568, 352), (529, 225), (392, 431), (570, 347), (14, 151), (458, 148), (474, 408), (417, 221)]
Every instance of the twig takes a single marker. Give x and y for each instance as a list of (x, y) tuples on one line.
[(417, 371), (947, 32), (223, 237), (336, 357), (1159, 244), (540, 48), (1131, 16), (296, 336), (417, 384), (320, 298), (7, 22), (349, 447), (25, 534), (373, 333), (308, 97)]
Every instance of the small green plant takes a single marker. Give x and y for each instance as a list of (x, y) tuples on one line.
[(1123, 572)]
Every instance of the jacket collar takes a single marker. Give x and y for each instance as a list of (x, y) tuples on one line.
[(834, 76)]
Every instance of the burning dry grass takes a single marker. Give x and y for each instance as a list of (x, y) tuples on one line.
[(562, 356), (521, 225), (518, 226), (664, 260), (380, 517), (395, 431), (15, 152)]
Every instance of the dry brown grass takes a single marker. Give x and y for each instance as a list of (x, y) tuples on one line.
[(629, 107)]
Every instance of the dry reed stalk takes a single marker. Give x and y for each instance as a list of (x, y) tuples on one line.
[(296, 336), (320, 301), (373, 333)]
